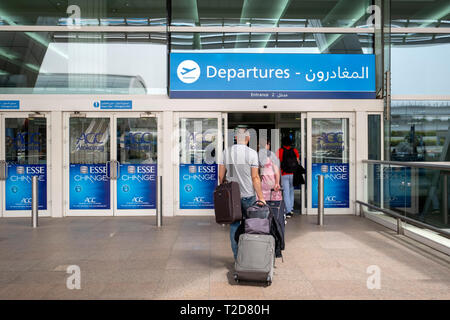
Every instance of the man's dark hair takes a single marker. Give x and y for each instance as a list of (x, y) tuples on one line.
[(286, 141)]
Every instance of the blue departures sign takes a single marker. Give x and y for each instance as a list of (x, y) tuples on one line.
[(89, 187), (272, 75), (136, 186), (18, 186), (197, 184), (336, 184)]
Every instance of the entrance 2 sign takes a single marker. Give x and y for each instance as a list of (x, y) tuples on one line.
[(272, 76)]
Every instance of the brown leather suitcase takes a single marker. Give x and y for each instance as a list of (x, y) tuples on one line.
[(227, 203)]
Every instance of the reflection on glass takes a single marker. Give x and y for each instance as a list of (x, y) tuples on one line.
[(420, 131), (26, 140), (198, 140), (84, 13), (420, 13), (89, 140), (137, 140), (374, 136), (330, 141), (416, 193), (274, 42), (283, 13), (83, 63)]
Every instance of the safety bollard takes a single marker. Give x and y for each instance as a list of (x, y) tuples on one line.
[(159, 203), (320, 206), (34, 202)]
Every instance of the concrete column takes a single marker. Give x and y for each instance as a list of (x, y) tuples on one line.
[(167, 163), (55, 185), (361, 136)]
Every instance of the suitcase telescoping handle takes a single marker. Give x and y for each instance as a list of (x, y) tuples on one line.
[(273, 190), (260, 202)]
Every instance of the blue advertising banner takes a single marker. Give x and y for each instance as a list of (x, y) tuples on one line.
[(272, 75), (9, 104), (336, 184), (89, 187), (136, 186), (18, 186), (197, 184)]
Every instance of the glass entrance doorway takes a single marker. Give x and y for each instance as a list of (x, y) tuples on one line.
[(24, 154), (111, 164), (330, 153), (200, 142), (325, 142)]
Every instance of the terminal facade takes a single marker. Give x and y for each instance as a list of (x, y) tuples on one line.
[(117, 104)]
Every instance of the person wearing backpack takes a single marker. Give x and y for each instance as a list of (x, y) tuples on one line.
[(289, 159), (269, 166)]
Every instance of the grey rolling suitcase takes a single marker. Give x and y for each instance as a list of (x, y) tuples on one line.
[(256, 258)]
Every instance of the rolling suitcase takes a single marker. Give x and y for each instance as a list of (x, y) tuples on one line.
[(258, 211), (278, 209), (256, 258), (227, 203)]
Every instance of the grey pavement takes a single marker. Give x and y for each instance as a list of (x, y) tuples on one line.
[(190, 258)]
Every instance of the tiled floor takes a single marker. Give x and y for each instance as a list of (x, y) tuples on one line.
[(190, 258)]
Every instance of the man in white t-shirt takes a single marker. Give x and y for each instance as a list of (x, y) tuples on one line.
[(240, 163)]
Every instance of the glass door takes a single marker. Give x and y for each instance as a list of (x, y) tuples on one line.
[(88, 157), (293, 128), (112, 164), (330, 153), (137, 160), (200, 142), (24, 154)]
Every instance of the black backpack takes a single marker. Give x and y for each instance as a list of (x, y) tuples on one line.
[(289, 163)]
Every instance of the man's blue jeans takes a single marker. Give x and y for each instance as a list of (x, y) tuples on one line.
[(287, 183), (245, 204)]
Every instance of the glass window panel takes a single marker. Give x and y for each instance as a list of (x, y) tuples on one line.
[(428, 53), (420, 13), (83, 63), (283, 13), (374, 137), (198, 140), (91, 12), (89, 140), (420, 131), (274, 42), (330, 141), (26, 140), (137, 140)]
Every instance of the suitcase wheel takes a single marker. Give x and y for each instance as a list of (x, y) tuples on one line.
[(236, 278), (269, 281)]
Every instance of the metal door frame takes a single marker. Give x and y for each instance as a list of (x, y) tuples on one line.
[(292, 124), (66, 164), (352, 164), (222, 131), (130, 114), (25, 213), (113, 116)]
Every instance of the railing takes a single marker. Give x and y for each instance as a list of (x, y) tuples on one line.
[(413, 192)]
